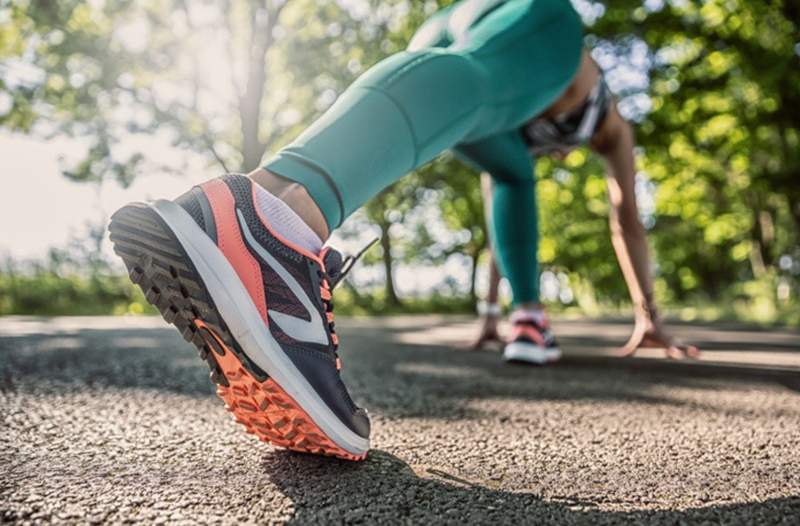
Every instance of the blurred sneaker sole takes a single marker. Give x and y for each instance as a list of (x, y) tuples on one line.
[(517, 351)]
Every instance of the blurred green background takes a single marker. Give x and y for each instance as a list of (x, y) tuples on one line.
[(712, 86)]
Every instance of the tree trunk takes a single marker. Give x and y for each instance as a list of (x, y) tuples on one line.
[(763, 237), (473, 296), (252, 149), (388, 266), (794, 205), (250, 101)]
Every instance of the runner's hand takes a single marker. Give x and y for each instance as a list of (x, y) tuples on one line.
[(651, 332), (488, 334)]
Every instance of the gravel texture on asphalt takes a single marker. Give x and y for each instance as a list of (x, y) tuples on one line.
[(114, 420)]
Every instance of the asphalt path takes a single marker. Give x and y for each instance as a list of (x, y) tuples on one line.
[(114, 420)]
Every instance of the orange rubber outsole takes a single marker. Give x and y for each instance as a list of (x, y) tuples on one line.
[(267, 411)]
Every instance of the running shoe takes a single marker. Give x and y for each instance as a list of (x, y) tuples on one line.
[(258, 308), (531, 341)]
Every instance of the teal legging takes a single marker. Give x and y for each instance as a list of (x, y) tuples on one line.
[(473, 75)]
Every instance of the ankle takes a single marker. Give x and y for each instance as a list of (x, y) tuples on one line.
[(296, 197), (529, 312), (529, 306)]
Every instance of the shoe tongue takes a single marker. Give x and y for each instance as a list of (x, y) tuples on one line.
[(535, 317), (333, 261)]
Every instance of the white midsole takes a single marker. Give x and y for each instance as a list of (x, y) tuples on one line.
[(530, 352), (243, 319)]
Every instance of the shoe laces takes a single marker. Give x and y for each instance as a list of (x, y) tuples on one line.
[(331, 274)]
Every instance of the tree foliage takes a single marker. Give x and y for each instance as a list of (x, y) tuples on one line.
[(713, 87), (719, 133)]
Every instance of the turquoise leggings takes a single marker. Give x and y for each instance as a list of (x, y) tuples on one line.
[(473, 74)]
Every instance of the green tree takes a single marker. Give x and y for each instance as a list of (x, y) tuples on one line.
[(460, 206), (721, 139), (227, 79), (711, 85)]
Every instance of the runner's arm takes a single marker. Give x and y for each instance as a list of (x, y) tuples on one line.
[(614, 141), (490, 315), (493, 294)]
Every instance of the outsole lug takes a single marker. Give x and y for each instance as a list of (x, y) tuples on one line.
[(135, 274), (157, 263)]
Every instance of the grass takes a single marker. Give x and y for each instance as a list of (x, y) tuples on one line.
[(46, 292)]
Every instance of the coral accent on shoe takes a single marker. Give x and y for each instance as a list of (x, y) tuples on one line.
[(526, 331), (230, 242)]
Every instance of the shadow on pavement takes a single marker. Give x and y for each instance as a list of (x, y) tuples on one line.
[(592, 334), (416, 380), (88, 358), (384, 487), (394, 378), (397, 380)]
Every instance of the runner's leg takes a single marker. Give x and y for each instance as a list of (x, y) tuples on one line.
[(514, 223), (414, 105)]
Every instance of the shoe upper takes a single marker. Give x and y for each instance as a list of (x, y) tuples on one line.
[(532, 329), (290, 287)]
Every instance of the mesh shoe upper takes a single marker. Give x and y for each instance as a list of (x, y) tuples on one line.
[(528, 329)]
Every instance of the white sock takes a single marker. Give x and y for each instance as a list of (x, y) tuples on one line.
[(285, 221), (536, 315)]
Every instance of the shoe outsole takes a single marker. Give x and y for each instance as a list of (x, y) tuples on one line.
[(158, 264), (532, 355)]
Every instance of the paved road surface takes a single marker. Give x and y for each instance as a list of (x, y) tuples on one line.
[(109, 419)]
